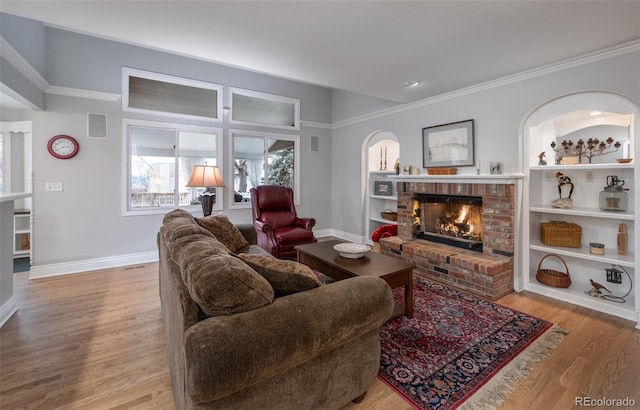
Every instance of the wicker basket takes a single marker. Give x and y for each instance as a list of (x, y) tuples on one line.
[(558, 233), (552, 277), (389, 215), (442, 171)]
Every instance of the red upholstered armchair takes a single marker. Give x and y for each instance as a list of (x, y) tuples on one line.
[(277, 225)]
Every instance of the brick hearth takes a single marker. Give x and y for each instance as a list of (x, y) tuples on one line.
[(488, 273)]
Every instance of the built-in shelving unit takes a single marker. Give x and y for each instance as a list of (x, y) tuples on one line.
[(21, 233), (383, 151), (541, 188), (381, 203)]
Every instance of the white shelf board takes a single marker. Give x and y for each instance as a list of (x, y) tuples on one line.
[(589, 212), (578, 297), (384, 221), (462, 178), (610, 257), (386, 197), (582, 167)]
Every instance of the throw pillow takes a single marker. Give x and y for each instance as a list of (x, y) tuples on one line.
[(225, 231), (285, 277), (220, 283)]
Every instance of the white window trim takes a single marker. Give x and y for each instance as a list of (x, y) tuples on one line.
[(132, 72), (126, 156), (265, 96), (296, 162)]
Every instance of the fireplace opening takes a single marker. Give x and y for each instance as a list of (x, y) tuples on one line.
[(450, 219)]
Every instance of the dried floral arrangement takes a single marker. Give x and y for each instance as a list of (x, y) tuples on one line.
[(592, 148)]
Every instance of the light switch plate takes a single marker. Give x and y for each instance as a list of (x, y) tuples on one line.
[(53, 186)]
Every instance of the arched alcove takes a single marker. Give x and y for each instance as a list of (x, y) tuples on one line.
[(570, 118), (380, 151)]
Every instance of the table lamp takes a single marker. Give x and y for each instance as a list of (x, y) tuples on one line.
[(206, 176)]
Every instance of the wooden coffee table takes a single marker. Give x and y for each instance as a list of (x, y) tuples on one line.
[(322, 257)]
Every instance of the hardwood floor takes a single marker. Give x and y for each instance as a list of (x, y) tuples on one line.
[(95, 341)]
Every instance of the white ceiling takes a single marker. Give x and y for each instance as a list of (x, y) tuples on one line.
[(368, 47)]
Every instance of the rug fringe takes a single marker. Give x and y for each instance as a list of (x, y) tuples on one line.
[(499, 387)]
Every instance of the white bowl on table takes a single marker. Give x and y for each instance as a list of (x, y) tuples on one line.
[(352, 250)]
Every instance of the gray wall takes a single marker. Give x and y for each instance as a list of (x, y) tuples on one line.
[(498, 113), (84, 221), (27, 37)]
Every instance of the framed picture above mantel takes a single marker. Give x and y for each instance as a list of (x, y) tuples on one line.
[(448, 145)]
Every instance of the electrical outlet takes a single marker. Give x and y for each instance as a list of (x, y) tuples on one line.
[(53, 186), (589, 176)]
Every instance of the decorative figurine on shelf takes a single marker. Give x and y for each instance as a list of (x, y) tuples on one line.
[(598, 287), (592, 148), (541, 160), (623, 240), (614, 276), (563, 203), (25, 245), (396, 166)]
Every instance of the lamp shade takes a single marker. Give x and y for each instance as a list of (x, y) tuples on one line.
[(207, 176)]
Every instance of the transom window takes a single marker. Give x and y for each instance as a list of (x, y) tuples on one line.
[(262, 109), (155, 93), (263, 159), (160, 157)]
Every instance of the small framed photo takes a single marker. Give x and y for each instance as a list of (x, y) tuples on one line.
[(384, 188), (495, 168), (448, 145)]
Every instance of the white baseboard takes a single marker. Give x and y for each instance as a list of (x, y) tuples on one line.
[(56, 269), (7, 310), (340, 234)]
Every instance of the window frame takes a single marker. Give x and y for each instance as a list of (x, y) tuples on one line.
[(128, 72), (177, 128), (266, 136), (269, 97)]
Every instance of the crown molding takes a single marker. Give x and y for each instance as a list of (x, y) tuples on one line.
[(80, 93), (13, 57), (312, 124), (607, 53)]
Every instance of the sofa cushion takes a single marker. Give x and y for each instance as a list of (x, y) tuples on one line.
[(225, 231), (218, 282), (284, 276)]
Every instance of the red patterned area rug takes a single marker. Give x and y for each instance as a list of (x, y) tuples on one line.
[(460, 351)]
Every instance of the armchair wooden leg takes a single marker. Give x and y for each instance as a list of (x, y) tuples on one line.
[(359, 398)]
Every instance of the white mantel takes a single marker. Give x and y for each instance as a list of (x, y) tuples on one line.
[(461, 178), (7, 303)]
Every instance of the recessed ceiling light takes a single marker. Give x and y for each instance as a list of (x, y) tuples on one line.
[(412, 84), (594, 113)]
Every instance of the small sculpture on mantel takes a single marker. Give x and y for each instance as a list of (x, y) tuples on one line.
[(541, 160), (563, 203)]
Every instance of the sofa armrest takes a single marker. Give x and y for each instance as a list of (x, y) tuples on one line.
[(249, 232), (225, 354)]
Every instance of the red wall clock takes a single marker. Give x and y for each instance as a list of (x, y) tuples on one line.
[(63, 147)]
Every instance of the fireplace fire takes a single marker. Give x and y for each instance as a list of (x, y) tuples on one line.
[(450, 219)]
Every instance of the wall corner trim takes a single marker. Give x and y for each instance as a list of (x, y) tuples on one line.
[(80, 93), (7, 310)]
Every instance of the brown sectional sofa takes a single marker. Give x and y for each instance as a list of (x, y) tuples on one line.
[(314, 349)]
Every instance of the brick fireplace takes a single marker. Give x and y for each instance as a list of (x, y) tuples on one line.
[(488, 273)]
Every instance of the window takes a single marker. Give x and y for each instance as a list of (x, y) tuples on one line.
[(256, 108), (263, 159), (160, 157), (154, 93)]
